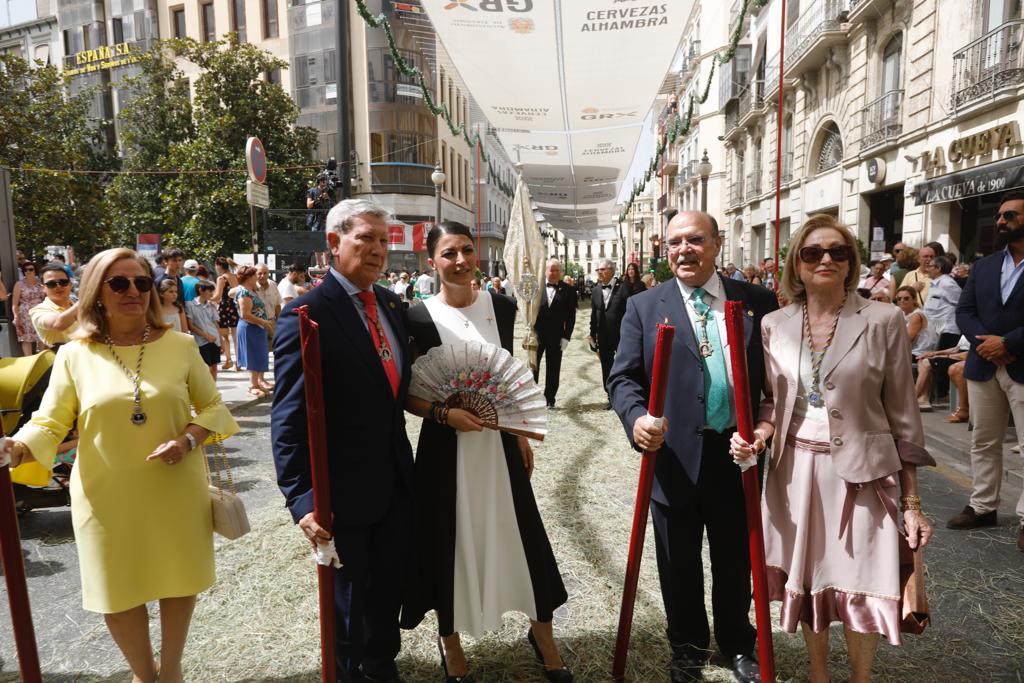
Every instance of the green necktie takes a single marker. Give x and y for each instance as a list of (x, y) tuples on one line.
[(717, 411)]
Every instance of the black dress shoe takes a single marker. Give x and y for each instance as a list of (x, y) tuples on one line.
[(562, 675), (448, 678), (551, 403), (686, 669), (969, 519), (745, 668)]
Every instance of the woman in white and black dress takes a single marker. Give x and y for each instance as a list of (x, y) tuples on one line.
[(482, 548)]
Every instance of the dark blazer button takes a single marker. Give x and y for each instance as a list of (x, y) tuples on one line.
[(700, 431), (700, 398), (835, 413), (837, 441)]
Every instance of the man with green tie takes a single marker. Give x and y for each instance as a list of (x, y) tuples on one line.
[(696, 484)]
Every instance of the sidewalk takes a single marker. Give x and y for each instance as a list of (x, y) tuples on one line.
[(234, 385), (950, 445)]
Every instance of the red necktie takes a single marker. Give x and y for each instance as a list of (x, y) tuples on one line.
[(380, 340)]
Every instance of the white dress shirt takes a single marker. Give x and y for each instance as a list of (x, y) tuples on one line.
[(1009, 274), (940, 307), (353, 292), (606, 292), (714, 297)]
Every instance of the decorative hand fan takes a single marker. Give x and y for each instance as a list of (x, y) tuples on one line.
[(485, 380)]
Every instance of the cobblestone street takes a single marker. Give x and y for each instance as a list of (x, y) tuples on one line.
[(259, 623)]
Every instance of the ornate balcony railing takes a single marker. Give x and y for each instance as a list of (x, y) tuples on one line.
[(819, 17), (987, 65), (736, 192), (882, 119), (753, 185), (787, 171)]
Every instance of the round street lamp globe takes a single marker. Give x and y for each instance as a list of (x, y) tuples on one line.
[(704, 167), (438, 177)]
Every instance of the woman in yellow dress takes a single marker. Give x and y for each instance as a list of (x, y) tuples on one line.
[(139, 501)]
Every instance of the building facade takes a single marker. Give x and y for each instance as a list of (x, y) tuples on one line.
[(904, 126), (28, 29)]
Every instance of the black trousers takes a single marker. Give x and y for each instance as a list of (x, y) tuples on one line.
[(553, 348), (715, 503), (368, 591), (607, 358)]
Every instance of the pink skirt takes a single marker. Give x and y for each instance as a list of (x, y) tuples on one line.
[(821, 567)]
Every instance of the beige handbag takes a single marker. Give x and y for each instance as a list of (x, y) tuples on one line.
[(229, 518)]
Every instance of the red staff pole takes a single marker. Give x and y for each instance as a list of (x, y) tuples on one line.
[(17, 586), (734, 315), (656, 406), (309, 337)]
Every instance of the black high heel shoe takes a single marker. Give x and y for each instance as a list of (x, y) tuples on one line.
[(468, 678), (562, 675)]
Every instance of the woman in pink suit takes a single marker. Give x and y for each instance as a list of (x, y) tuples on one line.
[(848, 430)]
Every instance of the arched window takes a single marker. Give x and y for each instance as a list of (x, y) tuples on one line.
[(831, 150), (891, 58)]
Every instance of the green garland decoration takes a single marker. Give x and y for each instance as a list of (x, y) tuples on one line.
[(680, 125), (414, 72)]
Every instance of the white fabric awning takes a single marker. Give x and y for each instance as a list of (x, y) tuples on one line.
[(567, 84)]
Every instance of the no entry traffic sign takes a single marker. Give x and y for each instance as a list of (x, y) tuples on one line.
[(256, 160)]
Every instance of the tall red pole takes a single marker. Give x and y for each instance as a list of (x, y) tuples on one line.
[(309, 338), (778, 141), (734, 315), (656, 406), (17, 586)]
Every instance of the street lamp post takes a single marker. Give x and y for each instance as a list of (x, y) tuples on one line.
[(622, 249), (641, 257), (704, 170), (437, 177)]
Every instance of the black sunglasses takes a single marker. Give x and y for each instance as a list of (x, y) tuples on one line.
[(814, 254), (120, 283), (53, 284), (1007, 215)]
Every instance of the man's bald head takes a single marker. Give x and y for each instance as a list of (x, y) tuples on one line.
[(698, 218)]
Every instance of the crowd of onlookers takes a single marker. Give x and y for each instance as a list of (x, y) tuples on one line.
[(229, 309)]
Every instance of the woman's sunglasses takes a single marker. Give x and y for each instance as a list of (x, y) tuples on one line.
[(53, 284), (120, 283), (814, 254)]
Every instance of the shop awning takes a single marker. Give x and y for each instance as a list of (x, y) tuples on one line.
[(986, 179)]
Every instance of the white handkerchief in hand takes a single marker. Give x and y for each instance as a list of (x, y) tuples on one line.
[(658, 422), (746, 464), (5, 451), (327, 555), (564, 343)]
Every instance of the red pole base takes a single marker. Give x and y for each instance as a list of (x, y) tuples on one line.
[(17, 586)]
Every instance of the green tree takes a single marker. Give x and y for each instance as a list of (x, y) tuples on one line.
[(44, 127), (157, 116), (573, 270), (206, 213)]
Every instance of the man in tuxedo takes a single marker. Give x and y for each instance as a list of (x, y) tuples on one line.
[(365, 373), (696, 484), (607, 306), (990, 313), (555, 320)]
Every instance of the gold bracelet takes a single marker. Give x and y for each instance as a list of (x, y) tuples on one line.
[(910, 503)]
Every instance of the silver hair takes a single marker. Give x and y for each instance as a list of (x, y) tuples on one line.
[(606, 263), (553, 259), (339, 218)]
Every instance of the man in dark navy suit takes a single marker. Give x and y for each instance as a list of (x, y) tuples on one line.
[(696, 484), (555, 320), (607, 306), (991, 315), (365, 371)]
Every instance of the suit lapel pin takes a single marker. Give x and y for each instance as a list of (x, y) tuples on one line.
[(750, 314), (391, 304)]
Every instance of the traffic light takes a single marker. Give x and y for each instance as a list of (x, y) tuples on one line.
[(655, 251)]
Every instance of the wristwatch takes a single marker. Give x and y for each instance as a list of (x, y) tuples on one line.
[(193, 444)]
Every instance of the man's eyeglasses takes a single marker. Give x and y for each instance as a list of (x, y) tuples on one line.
[(1006, 215), (120, 284), (814, 253), (53, 284)]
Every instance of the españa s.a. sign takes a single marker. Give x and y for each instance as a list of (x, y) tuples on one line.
[(102, 57)]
